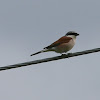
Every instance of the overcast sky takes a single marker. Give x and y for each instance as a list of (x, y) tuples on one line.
[(27, 26)]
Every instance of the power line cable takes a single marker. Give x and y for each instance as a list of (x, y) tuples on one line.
[(50, 59)]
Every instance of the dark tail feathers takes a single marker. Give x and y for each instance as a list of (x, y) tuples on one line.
[(38, 52)]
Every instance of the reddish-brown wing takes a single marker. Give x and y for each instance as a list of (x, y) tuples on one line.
[(63, 39)]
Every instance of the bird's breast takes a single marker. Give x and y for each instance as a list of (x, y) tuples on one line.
[(64, 47)]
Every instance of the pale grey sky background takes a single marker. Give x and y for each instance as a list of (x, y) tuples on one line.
[(27, 26)]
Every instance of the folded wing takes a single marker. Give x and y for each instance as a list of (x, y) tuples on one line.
[(63, 39)]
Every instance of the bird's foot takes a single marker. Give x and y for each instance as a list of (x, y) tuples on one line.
[(63, 54), (68, 54)]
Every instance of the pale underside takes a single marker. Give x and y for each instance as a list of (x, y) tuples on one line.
[(64, 47)]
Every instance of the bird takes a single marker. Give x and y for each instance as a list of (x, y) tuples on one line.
[(62, 45)]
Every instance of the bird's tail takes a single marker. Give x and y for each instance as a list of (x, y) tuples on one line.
[(38, 52)]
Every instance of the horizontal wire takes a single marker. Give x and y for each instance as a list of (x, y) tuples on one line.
[(50, 59)]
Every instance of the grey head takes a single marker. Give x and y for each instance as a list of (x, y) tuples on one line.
[(72, 33)]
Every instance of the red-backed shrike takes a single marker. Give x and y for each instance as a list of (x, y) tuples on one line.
[(62, 45)]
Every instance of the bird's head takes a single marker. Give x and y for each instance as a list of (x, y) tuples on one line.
[(72, 33)]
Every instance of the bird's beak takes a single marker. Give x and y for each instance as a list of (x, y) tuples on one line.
[(77, 34)]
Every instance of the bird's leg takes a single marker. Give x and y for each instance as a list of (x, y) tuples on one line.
[(63, 54), (68, 54)]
